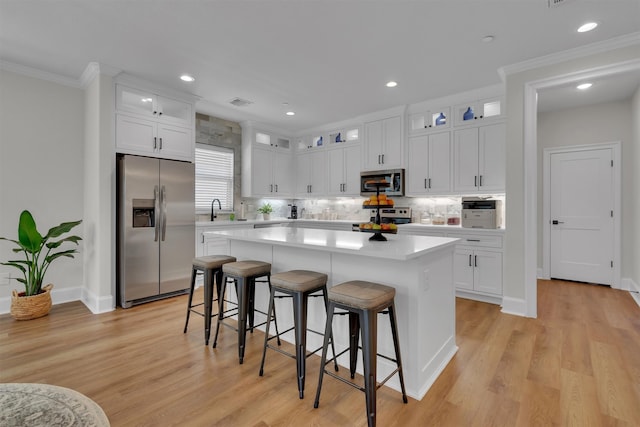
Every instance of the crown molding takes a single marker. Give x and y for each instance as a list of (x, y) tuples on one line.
[(93, 70), (39, 74), (571, 54)]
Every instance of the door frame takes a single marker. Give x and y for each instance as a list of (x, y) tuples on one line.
[(617, 204)]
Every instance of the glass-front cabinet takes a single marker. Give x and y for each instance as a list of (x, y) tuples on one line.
[(430, 119), (481, 110), (150, 105)]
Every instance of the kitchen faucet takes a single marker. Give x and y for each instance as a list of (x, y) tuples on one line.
[(219, 206)]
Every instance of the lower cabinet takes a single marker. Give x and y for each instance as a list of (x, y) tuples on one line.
[(212, 244), (476, 270), (477, 265)]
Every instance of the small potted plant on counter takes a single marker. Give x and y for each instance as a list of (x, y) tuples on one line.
[(39, 252), (266, 210)]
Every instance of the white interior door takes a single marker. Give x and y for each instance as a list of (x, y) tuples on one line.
[(581, 214)]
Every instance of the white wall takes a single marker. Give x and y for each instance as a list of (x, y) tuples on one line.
[(41, 169), (600, 123), (99, 198), (634, 227), (518, 279)]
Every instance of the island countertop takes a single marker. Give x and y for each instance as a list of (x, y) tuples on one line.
[(397, 247)]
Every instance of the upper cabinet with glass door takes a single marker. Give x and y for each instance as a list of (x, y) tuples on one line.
[(429, 119), (274, 141), (347, 135), (478, 112), (150, 105)]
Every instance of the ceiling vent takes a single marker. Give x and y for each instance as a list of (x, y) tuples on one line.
[(556, 3), (239, 102)]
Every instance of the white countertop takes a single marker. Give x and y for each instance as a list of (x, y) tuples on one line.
[(398, 247)]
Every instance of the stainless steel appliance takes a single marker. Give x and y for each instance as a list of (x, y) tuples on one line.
[(156, 228), (395, 177), (388, 216), (481, 213), (293, 212)]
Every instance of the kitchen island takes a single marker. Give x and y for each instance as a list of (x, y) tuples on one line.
[(419, 267)]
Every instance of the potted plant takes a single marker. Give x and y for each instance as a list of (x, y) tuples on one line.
[(39, 252), (265, 210)]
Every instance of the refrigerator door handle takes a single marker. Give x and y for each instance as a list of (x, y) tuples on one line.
[(163, 201), (156, 213)]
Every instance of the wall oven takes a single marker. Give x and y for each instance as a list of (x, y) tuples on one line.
[(395, 177)]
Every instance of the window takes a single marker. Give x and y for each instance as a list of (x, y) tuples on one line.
[(214, 177)]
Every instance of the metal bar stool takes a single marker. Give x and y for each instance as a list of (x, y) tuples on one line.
[(210, 267), (244, 275), (298, 285), (363, 301)]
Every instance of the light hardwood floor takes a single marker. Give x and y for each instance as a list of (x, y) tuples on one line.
[(577, 364)]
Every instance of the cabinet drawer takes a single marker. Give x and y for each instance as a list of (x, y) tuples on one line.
[(478, 240)]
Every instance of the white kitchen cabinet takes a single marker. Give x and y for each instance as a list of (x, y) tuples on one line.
[(151, 138), (150, 124), (343, 169), (432, 119), (147, 104), (271, 173), (383, 144), (484, 110), (478, 264), (311, 173), (267, 164), (479, 159), (429, 164), (478, 270), (212, 244)]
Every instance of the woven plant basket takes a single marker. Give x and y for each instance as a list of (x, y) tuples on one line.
[(31, 307)]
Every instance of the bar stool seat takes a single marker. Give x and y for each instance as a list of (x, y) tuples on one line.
[(244, 274), (211, 267), (299, 285), (362, 301)]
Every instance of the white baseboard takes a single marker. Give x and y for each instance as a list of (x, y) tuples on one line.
[(96, 304), (60, 296), (515, 306)]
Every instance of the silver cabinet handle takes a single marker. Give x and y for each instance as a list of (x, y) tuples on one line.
[(156, 202), (470, 265), (429, 182), (155, 142), (383, 159), (476, 260), (163, 201), (161, 141), (480, 180), (475, 181)]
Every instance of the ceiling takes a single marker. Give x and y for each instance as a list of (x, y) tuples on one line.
[(327, 60)]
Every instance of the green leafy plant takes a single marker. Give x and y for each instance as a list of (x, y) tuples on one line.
[(38, 250), (265, 208)]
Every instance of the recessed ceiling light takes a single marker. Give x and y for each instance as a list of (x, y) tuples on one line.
[(187, 78), (487, 39), (587, 27), (392, 84), (584, 86), (291, 113)]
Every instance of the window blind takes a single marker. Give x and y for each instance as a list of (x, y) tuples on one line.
[(214, 177)]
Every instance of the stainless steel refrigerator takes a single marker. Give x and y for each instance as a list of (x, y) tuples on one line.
[(156, 228)]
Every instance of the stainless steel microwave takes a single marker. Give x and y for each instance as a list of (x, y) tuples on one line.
[(395, 178)]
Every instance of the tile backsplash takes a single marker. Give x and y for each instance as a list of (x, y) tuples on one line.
[(423, 208)]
